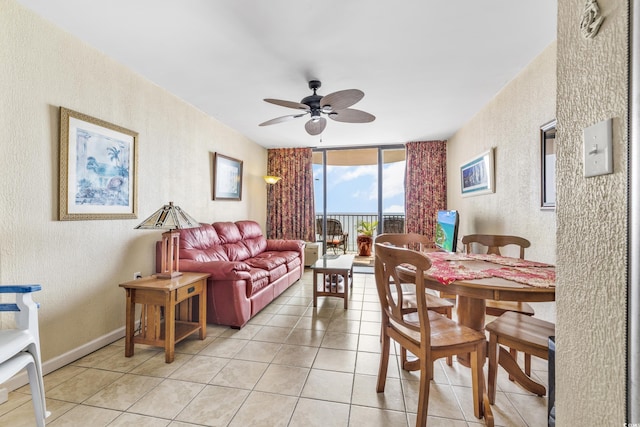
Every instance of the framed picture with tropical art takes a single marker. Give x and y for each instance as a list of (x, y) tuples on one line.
[(227, 178), (98, 168), (477, 176)]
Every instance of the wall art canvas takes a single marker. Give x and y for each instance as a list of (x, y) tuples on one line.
[(476, 175), (227, 178), (98, 166)]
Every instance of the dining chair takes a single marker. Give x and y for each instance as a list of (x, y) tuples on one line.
[(20, 346), (418, 242), (493, 243), (517, 331), (427, 334), (336, 237)]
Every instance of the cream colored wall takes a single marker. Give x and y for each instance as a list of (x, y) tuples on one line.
[(81, 263), (592, 228), (511, 124)]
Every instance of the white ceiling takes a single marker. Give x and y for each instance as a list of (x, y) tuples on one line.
[(425, 66)]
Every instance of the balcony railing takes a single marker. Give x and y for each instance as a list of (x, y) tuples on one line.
[(394, 224)]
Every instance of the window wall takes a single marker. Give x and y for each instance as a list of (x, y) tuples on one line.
[(363, 184)]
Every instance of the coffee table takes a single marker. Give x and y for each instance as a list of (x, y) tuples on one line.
[(337, 277)]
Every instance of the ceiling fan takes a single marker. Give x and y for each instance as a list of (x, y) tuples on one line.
[(335, 106)]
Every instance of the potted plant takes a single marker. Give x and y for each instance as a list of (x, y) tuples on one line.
[(365, 237)]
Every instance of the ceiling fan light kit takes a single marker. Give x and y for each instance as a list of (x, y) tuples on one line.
[(335, 106)]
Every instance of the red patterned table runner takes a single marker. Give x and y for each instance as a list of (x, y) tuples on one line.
[(532, 276), (508, 261), (446, 273), (530, 273)]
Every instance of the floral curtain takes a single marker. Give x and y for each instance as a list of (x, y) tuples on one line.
[(290, 209), (426, 185)]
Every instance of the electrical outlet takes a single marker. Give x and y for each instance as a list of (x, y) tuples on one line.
[(137, 275)]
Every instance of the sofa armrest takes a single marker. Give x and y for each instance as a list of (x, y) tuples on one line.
[(219, 270), (285, 245)]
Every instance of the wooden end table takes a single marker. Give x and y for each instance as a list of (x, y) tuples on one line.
[(333, 268), (174, 297)]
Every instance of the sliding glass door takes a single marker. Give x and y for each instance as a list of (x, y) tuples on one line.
[(354, 186)]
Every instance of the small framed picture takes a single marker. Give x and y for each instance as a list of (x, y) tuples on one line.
[(227, 178), (477, 176), (98, 168), (548, 165)]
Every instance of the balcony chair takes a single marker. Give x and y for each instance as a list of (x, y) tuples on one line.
[(336, 238), (498, 308), (427, 334), (519, 332), (393, 225), (20, 347), (435, 303)]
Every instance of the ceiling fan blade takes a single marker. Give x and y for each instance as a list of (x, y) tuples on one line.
[(282, 119), (315, 127), (341, 99), (289, 104), (351, 115)]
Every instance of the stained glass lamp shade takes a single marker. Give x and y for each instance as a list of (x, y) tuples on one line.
[(169, 217)]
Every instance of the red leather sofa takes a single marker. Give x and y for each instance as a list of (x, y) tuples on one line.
[(247, 270)]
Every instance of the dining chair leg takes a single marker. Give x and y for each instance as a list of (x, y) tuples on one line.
[(426, 367), (527, 364), (477, 381), (493, 367), (384, 363), (514, 354)]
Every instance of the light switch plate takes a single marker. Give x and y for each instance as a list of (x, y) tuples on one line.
[(598, 145)]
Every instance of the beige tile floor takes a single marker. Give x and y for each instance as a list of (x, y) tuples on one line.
[(292, 365)]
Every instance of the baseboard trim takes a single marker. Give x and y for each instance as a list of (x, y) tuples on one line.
[(64, 359)]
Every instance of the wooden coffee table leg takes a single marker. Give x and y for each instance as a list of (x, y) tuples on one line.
[(315, 288), (345, 276)]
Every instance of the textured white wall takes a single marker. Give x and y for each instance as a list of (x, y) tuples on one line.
[(592, 212), (510, 123), (81, 263)]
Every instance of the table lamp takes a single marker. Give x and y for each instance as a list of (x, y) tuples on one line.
[(169, 217)]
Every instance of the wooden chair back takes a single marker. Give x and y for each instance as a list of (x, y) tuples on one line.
[(414, 241), (494, 242), (392, 294), (426, 334)]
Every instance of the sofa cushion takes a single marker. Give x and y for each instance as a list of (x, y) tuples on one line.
[(228, 232), (252, 237), (277, 273), (266, 260), (292, 265), (259, 280), (201, 244)]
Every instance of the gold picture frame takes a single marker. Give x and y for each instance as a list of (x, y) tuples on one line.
[(98, 169)]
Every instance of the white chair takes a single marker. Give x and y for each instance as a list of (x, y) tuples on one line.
[(20, 347)]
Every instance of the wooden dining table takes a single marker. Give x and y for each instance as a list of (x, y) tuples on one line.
[(475, 278)]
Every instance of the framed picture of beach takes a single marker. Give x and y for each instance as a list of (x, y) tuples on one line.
[(98, 168), (477, 176)]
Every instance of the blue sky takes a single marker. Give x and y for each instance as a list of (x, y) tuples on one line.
[(353, 189)]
